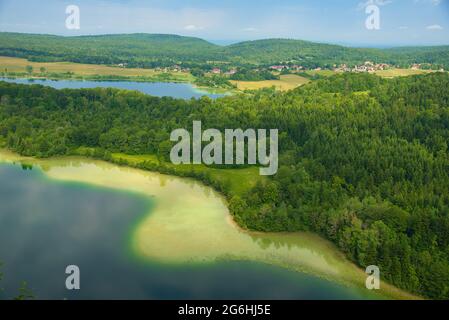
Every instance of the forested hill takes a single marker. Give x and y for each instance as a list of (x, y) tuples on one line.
[(314, 54), (150, 50), (282, 50), (135, 49), (364, 161)]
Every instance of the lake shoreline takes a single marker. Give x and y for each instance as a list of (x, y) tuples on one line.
[(158, 87), (286, 238), (200, 89)]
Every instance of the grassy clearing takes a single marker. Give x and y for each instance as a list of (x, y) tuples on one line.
[(287, 82), (395, 72), (323, 73), (239, 180), (390, 73), (18, 65)]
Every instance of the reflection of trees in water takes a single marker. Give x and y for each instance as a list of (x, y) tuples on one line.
[(25, 293), (26, 166), (265, 242)]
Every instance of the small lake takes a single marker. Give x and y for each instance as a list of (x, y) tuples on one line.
[(142, 235), (158, 89)]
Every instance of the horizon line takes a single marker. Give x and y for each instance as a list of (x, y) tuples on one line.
[(237, 41)]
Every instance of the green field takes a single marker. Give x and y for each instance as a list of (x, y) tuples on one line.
[(286, 82), (10, 65), (239, 180), (389, 73), (396, 72), (324, 73)]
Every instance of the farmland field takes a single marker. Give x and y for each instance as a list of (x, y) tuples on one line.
[(389, 73), (396, 72), (287, 82), (18, 65), (323, 73)]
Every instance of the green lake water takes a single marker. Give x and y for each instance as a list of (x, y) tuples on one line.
[(52, 215)]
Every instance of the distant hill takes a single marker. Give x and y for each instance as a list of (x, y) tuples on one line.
[(108, 49), (434, 54), (319, 54), (150, 50), (283, 50)]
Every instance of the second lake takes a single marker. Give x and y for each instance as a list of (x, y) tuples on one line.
[(158, 89)]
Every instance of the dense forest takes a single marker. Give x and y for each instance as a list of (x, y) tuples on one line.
[(253, 75), (156, 50), (364, 161), (141, 50)]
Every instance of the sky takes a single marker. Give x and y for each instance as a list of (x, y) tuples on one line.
[(401, 22)]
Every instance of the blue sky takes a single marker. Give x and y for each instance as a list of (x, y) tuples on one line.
[(402, 22)]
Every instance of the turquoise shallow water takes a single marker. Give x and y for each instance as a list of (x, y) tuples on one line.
[(159, 89), (46, 225)]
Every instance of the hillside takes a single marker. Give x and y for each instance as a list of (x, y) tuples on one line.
[(152, 50), (436, 54), (135, 49), (314, 54), (283, 50)]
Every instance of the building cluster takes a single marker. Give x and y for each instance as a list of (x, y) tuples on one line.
[(424, 66), (226, 73), (287, 67), (368, 66), (175, 68)]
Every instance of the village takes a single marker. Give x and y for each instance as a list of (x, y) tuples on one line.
[(367, 66), (283, 75)]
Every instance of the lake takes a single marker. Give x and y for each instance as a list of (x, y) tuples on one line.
[(159, 89), (142, 235)]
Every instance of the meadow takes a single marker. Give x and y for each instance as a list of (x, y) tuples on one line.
[(292, 81), (238, 180), (286, 82), (397, 72), (389, 73), (19, 65)]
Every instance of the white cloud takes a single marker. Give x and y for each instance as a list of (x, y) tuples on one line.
[(192, 27), (122, 18), (250, 29), (434, 27), (403, 28)]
